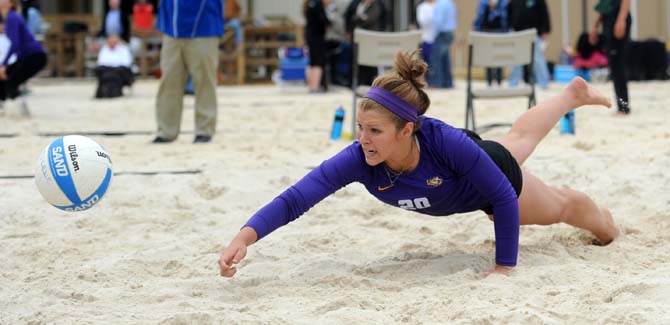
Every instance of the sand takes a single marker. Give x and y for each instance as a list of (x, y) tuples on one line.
[(148, 252)]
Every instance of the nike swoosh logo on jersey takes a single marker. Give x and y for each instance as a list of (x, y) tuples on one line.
[(384, 188)]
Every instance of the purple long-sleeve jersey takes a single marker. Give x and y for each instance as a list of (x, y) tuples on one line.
[(454, 175), (23, 42)]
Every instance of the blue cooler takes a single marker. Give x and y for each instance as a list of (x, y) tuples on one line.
[(292, 63)]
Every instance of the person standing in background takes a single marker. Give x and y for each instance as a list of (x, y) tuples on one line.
[(370, 15), (190, 46), (315, 34), (335, 13), (143, 15), (525, 14), (31, 13), (366, 14), (424, 16), (338, 48), (115, 22), (445, 22), (614, 15), (492, 18), (231, 15)]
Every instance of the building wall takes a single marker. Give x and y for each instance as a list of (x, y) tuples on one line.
[(651, 23), (651, 19), (289, 8), (51, 7)]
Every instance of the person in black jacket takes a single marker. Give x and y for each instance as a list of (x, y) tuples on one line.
[(525, 14), (370, 15), (315, 34), (492, 18)]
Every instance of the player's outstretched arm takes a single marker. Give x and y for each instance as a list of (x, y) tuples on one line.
[(236, 251)]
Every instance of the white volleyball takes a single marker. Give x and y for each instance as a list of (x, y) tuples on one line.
[(73, 173)]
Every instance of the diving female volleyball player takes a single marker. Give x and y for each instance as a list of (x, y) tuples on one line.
[(422, 164)]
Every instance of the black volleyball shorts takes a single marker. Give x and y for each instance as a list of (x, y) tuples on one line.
[(503, 159)]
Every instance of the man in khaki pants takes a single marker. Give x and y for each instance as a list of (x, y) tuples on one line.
[(190, 45)]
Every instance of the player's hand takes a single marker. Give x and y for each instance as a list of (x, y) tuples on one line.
[(620, 28), (231, 255), (3, 73), (499, 269)]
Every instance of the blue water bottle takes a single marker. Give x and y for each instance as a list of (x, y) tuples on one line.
[(336, 132), (567, 123)]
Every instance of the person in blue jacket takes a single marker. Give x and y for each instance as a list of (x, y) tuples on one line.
[(190, 45), (422, 164)]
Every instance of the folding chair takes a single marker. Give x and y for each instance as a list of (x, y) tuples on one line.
[(499, 50), (376, 49)]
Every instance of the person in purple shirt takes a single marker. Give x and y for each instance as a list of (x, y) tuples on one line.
[(425, 165), (30, 56)]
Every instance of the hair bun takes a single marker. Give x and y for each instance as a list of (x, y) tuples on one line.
[(411, 67)]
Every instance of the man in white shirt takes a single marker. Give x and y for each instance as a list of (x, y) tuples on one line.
[(115, 54), (113, 70), (424, 16)]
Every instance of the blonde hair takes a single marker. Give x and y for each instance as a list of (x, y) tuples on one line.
[(405, 80)]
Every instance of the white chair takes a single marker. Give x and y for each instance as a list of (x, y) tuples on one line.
[(499, 50), (377, 49)]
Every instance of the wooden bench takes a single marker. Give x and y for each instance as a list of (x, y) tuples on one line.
[(67, 50), (259, 50)]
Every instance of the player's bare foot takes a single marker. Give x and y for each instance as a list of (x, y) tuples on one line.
[(584, 94), (611, 232)]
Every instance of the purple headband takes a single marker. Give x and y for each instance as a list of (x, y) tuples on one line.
[(393, 103)]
